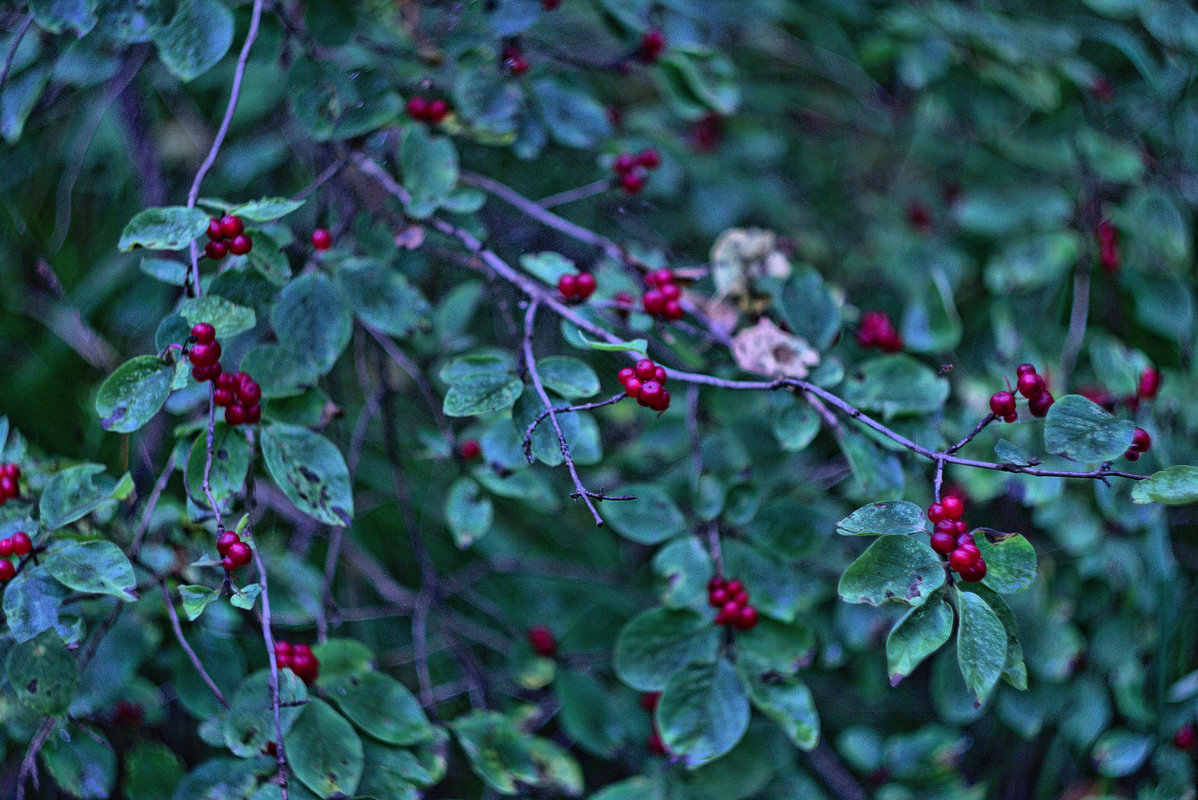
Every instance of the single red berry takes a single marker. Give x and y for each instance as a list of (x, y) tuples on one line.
[(645, 369), (1030, 384), (1002, 404), (21, 543), (649, 700), (953, 506), (231, 226), (670, 290), (417, 108), (1039, 405), (659, 374), (438, 110), (7, 570), (1150, 383), (1140, 441), (225, 541), (1102, 89), (735, 586), (11, 470), (568, 285), (8, 488), (1185, 737), (730, 610), (946, 526), (253, 414), (249, 393), (716, 582), (654, 302), (1012, 417), (240, 554), (746, 619), (655, 745), (961, 559), (235, 415), (223, 398), (717, 597), (651, 47), (215, 232), (944, 543), (961, 526), (626, 375), (660, 277), (936, 512), (516, 64), (470, 450), (282, 648), (651, 394), (305, 666), (205, 355), (624, 163), (227, 381), (919, 216), (205, 373), (674, 311), (241, 245), (586, 285), (1025, 369), (203, 333), (322, 239), (542, 641), (216, 250), (649, 158), (551, 5), (976, 572), (1131, 455), (632, 387), (741, 597), (5, 548), (633, 180)]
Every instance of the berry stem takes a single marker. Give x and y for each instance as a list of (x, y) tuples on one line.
[(564, 410), (209, 449), (187, 648)]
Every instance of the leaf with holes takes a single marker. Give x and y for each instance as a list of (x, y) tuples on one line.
[(167, 228), (896, 569), (43, 673), (310, 471)]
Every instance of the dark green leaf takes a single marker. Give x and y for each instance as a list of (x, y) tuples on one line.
[(42, 672), (56, 16), (166, 270), (227, 317), (899, 569), (230, 464), (267, 209), (152, 771), (574, 118), (789, 703), (383, 298), (1010, 561), (1175, 486), (981, 644), (170, 228), (342, 657), (132, 395), (796, 426), (482, 393), (81, 761), (896, 384), (429, 165), (279, 371), (381, 706), (1081, 430), (656, 644), (324, 752), (197, 37), (703, 712), (1121, 752), (884, 519), (916, 636), (310, 471), (196, 599), (93, 567), (649, 519), (586, 713), (31, 603), (313, 319), (78, 491), (568, 377), (249, 723), (468, 512)]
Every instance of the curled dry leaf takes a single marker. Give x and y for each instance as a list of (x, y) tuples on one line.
[(766, 349), (741, 255)]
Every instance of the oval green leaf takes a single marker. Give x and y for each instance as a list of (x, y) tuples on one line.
[(703, 712), (898, 569), (310, 471), (1080, 429), (324, 751), (134, 393)]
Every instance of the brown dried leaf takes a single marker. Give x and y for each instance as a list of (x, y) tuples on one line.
[(768, 350)]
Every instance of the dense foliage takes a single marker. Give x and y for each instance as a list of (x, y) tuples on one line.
[(586, 398)]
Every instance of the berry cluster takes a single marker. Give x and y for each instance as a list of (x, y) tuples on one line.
[(1108, 247), (633, 168), (19, 544), (322, 239), (647, 383), (576, 286), (664, 295), (512, 60), (653, 743), (227, 235), (732, 600), (951, 538), (876, 330), (1140, 443), (236, 392), (542, 641), (424, 110), (10, 482), (1029, 384), (234, 553), (299, 659), (652, 45)]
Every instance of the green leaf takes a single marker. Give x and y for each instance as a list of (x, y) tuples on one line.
[(279, 371), (1175, 486), (1014, 670), (166, 270), (895, 518), (152, 771), (468, 512), (631, 346), (896, 384), (429, 165), (899, 569), (586, 713), (227, 317), (1010, 561), (78, 491), (230, 464), (383, 298), (249, 723), (267, 209), (658, 643), (1011, 453), (198, 36), (981, 644), (386, 773), (31, 603), (878, 473), (269, 260), (342, 657), (651, 518), (995, 212), (703, 712), (310, 471), (510, 760), (482, 393), (196, 599), (776, 648), (221, 779), (169, 228), (1121, 752), (568, 377), (789, 703), (1159, 224), (381, 706), (1032, 262), (547, 266), (245, 597), (134, 393), (574, 118), (683, 568), (916, 636), (43, 674), (313, 319), (795, 427), (93, 567), (777, 586), (56, 16), (639, 788), (81, 761), (1081, 430), (324, 752), (461, 367), (710, 78)]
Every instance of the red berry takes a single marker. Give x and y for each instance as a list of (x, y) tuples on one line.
[(632, 387), (730, 610), (240, 554), (542, 641), (5, 548), (919, 216), (717, 597), (674, 311), (551, 5), (205, 355), (1131, 455), (215, 233), (235, 415), (655, 745), (231, 227), (1140, 441), (976, 572), (741, 597), (745, 619), (645, 369), (944, 543), (961, 559), (952, 505), (936, 512), (960, 526), (1030, 384), (516, 65), (207, 373), (624, 163), (225, 541), (253, 415), (203, 333), (305, 666), (249, 393), (8, 488), (651, 394), (1012, 417), (7, 570), (438, 110), (1150, 383), (649, 158), (11, 470), (1002, 404), (241, 245), (470, 450), (659, 374), (568, 285), (1185, 737), (716, 582), (1025, 369), (417, 108), (322, 239), (216, 250), (223, 398), (227, 381), (735, 586), (633, 180), (282, 648), (649, 700), (1039, 405), (21, 544), (586, 285), (660, 277), (651, 47), (654, 302), (670, 290), (626, 375)]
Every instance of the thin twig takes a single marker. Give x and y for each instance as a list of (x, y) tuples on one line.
[(532, 426), (28, 763), (969, 437), (151, 504), (577, 193), (12, 51), (1078, 315), (187, 648), (209, 449), (413, 371)]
